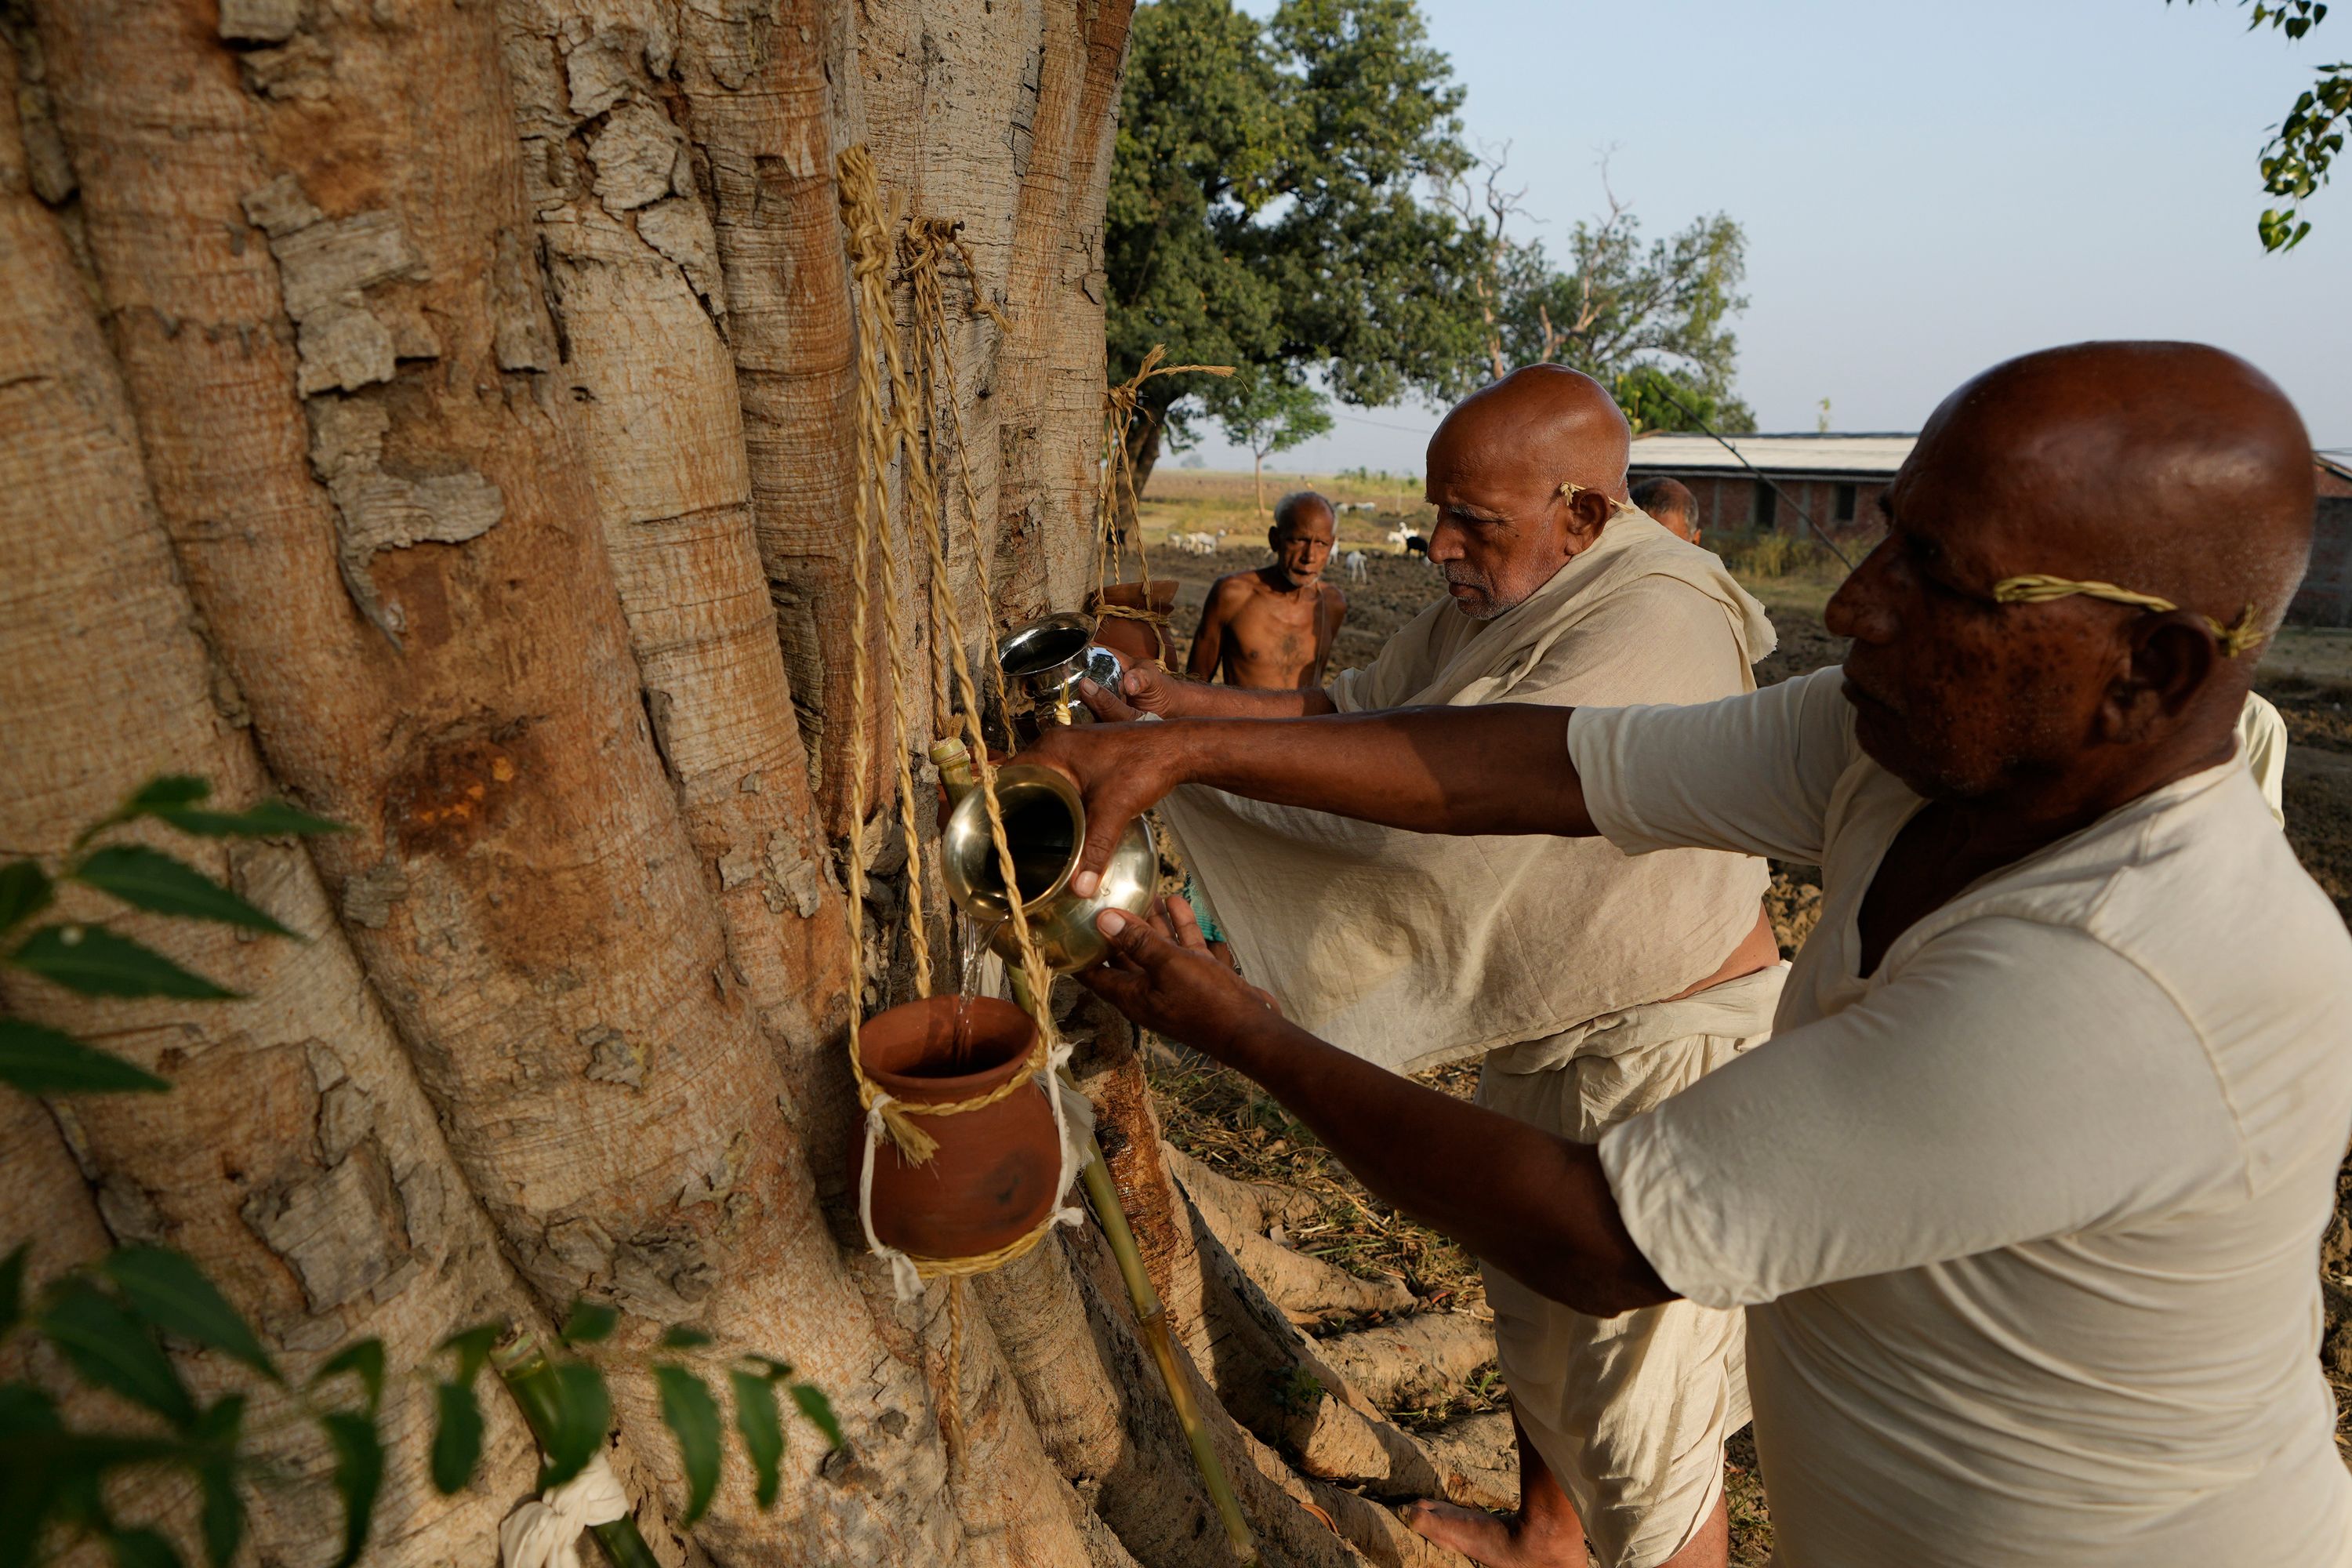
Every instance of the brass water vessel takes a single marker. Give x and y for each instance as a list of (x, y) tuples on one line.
[(1045, 825)]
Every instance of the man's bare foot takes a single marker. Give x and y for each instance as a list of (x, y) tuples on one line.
[(1499, 1541)]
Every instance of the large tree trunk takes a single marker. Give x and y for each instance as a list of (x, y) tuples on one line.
[(462, 444)]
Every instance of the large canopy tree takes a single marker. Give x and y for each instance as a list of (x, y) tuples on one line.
[(1267, 205), (442, 416)]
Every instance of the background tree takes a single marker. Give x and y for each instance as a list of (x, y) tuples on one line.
[(1266, 207), (1268, 414), (1649, 319), (2296, 162), (442, 418)]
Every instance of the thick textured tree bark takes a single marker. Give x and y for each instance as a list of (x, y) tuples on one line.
[(463, 445), (520, 882), (295, 1154)]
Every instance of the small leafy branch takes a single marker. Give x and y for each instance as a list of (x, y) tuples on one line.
[(92, 958), (2297, 160), (109, 1322)]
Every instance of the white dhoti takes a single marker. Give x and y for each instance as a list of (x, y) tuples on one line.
[(1630, 1413)]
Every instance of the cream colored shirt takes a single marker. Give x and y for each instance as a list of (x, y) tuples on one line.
[(2027, 1222), (1410, 949)]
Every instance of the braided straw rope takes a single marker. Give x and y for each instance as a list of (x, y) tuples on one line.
[(882, 436), (2040, 588), (1116, 481)]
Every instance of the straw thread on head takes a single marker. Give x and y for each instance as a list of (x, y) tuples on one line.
[(2040, 588)]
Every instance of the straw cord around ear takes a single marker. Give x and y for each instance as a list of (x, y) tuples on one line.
[(2040, 588)]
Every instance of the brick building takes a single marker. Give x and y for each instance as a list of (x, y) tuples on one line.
[(1834, 478)]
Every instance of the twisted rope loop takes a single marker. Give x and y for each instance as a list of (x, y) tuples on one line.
[(2040, 588), (895, 428), (1115, 481)]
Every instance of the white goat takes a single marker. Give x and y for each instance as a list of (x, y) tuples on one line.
[(1355, 561)]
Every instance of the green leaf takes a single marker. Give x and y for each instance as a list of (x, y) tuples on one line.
[(12, 1288), (224, 1515), (97, 962), (364, 1359), (265, 819), (692, 1416), (473, 1347), (818, 1411), (359, 1476), (108, 1348), (141, 1548), (172, 1293), (218, 1430), (28, 1422), (150, 880), (680, 1337), (587, 1323), (170, 790), (583, 1413), (457, 1436), (25, 892), (775, 1369), (41, 1060), (167, 791), (762, 1427)]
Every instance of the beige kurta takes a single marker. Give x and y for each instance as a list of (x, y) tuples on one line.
[(1629, 1412), (1412, 950)]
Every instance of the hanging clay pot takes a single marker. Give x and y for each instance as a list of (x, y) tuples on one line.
[(992, 1179), (1136, 641)]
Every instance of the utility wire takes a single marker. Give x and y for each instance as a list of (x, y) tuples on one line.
[(1812, 527)]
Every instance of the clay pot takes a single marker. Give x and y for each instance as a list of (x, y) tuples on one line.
[(992, 1179), (1135, 641)]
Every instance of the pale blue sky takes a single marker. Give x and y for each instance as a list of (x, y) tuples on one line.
[(1927, 188)]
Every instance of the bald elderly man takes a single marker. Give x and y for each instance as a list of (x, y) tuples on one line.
[(1592, 983), (2023, 1200), (1671, 502)]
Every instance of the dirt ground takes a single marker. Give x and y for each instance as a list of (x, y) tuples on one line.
[(1225, 1121)]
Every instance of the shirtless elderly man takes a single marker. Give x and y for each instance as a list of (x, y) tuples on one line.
[(1273, 627), (2023, 1199), (1594, 985)]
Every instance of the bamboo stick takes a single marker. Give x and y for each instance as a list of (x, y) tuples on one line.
[(525, 1371)]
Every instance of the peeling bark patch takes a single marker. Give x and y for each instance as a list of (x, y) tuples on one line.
[(259, 21), (444, 802), (324, 267), (380, 510), (681, 231), (612, 1059), (639, 158), (521, 339), (368, 897), (792, 878), (335, 1229)]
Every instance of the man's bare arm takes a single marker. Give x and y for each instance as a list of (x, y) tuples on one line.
[(1209, 642), (1148, 689), (1498, 769), (1533, 1205)]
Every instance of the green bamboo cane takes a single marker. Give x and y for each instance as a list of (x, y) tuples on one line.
[(1152, 1317), (525, 1370)]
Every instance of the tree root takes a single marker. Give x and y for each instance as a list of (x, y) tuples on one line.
[(1412, 1360), (1239, 1214)]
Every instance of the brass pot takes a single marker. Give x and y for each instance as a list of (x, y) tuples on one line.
[(1041, 661), (1045, 825)]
